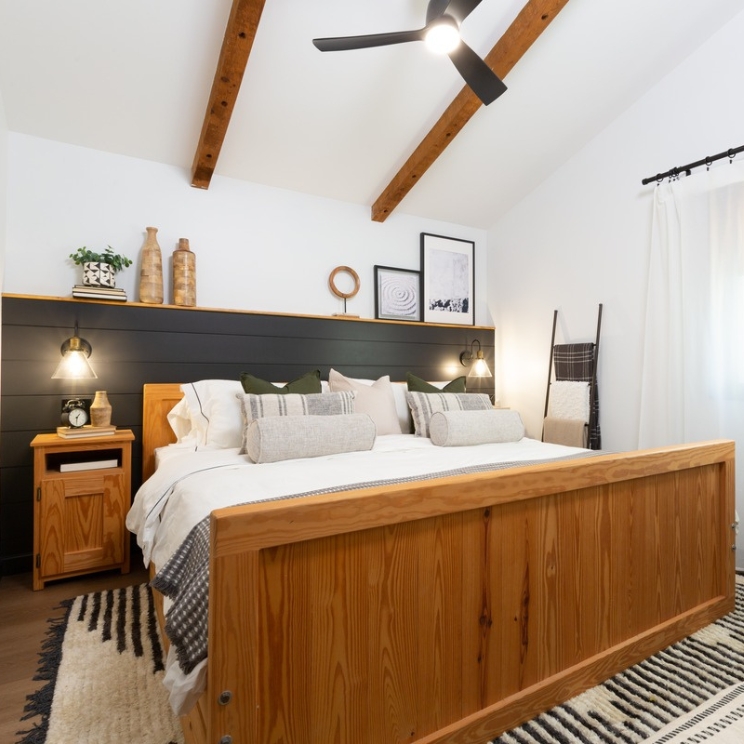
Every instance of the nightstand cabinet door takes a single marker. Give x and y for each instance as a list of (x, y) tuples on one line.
[(81, 524)]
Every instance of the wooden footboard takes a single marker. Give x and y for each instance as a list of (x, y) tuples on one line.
[(452, 610)]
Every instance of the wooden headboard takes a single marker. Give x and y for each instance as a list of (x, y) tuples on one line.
[(157, 401)]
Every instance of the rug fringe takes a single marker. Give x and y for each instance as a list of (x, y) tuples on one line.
[(39, 703)]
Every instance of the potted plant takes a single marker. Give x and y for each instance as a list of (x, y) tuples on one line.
[(99, 269)]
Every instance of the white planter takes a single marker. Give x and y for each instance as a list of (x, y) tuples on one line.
[(98, 274)]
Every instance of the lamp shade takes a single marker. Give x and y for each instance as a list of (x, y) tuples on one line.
[(480, 367), (74, 364), (478, 364)]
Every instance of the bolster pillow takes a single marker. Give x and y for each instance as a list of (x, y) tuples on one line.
[(458, 428), (276, 438)]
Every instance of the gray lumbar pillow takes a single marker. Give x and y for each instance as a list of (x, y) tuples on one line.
[(275, 438), (458, 428)]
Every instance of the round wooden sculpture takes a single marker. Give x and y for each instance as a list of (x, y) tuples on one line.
[(340, 293)]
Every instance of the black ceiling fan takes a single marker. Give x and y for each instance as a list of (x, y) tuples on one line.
[(442, 16)]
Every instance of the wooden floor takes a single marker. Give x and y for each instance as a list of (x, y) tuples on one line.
[(23, 623)]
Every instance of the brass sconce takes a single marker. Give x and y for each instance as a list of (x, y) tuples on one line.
[(74, 364)]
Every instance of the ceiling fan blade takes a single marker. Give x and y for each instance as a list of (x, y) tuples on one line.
[(481, 79), (461, 9), (436, 8), (343, 43)]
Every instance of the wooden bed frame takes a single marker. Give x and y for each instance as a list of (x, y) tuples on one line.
[(455, 609)]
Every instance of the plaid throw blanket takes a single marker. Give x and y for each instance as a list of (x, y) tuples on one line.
[(575, 362), (185, 577)]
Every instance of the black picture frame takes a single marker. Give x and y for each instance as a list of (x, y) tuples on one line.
[(447, 279), (397, 294)]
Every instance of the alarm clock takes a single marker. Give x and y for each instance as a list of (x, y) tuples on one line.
[(75, 413)]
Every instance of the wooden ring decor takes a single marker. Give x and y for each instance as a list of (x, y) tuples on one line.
[(335, 289)]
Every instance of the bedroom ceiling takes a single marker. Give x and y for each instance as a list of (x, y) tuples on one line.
[(134, 78)]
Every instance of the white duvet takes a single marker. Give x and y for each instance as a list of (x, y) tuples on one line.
[(189, 484)]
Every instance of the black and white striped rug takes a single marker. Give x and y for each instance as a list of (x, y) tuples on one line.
[(103, 668), (662, 692)]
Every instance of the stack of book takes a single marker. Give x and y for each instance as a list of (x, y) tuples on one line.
[(85, 431), (99, 293)]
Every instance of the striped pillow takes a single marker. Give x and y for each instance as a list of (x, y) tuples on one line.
[(256, 407), (423, 405)]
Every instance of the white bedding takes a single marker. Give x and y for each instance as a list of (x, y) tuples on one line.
[(189, 484)]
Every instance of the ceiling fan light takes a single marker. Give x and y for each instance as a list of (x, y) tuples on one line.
[(442, 38)]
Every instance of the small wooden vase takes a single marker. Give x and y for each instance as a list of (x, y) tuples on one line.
[(184, 275), (100, 409), (151, 273)]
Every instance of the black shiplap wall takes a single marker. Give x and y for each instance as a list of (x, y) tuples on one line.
[(134, 344)]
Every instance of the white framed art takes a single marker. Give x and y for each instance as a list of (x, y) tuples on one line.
[(447, 279)]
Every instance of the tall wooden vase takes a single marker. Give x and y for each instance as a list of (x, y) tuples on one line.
[(184, 275), (151, 273)]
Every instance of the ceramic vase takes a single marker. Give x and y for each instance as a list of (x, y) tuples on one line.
[(100, 409), (184, 275), (151, 272)]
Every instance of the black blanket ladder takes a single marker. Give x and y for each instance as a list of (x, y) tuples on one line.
[(578, 362)]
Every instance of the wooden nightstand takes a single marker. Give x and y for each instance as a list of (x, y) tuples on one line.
[(82, 493)]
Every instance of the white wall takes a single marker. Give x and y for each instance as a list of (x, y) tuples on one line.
[(3, 182), (3, 192), (257, 248), (583, 237)]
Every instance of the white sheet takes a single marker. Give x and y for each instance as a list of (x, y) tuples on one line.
[(189, 484)]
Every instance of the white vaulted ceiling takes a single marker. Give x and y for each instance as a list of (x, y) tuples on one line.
[(134, 78)]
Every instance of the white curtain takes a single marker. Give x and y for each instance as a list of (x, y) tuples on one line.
[(692, 386)]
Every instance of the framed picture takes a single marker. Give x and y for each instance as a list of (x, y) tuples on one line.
[(447, 279), (397, 293)]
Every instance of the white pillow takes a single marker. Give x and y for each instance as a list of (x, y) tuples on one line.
[(424, 405), (276, 438), (462, 428), (179, 418), (373, 398), (216, 420)]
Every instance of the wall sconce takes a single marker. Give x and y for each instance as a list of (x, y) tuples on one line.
[(479, 366), (75, 364)]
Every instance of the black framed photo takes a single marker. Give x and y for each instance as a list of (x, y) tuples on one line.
[(447, 279), (397, 294)]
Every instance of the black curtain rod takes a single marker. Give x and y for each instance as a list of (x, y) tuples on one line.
[(687, 168)]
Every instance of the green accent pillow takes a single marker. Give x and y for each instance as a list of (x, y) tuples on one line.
[(417, 385), (306, 385)]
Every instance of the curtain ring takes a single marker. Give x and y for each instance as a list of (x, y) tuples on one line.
[(731, 155), (708, 162)]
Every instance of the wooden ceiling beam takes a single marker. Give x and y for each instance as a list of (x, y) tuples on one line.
[(526, 28), (236, 48)]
